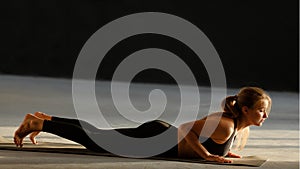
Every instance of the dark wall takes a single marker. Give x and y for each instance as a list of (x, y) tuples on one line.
[(257, 41)]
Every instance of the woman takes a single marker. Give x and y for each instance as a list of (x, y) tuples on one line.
[(251, 106)]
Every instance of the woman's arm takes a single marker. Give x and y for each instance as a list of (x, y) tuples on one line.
[(191, 132)]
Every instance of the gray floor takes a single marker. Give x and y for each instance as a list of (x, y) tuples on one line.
[(277, 139)]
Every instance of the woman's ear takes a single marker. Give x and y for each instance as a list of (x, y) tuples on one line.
[(245, 109)]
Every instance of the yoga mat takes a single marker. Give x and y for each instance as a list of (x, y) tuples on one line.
[(253, 161)]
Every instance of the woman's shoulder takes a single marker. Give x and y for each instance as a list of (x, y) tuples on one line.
[(223, 126), (224, 130), (227, 124)]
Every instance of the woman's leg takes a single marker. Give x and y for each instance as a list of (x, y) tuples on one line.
[(147, 129), (69, 131), (73, 132), (77, 134), (80, 123), (76, 122)]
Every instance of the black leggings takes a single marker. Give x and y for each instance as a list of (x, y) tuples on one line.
[(72, 129)]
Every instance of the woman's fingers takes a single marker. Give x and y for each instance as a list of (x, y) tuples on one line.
[(233, 155), (223, 160), (219, 159)]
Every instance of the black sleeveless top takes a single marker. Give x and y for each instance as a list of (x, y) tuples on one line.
[(219, 149)]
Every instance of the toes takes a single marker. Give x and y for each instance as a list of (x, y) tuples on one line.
[(21, 143), (16, 139), (33, 140), (32, 137), (18, 142)]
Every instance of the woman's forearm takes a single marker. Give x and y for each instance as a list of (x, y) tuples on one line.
[(193, 141)]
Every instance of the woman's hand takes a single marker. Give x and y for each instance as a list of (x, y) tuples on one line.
[(217, 158), (233, 155)]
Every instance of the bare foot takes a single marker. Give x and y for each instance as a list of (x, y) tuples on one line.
[(35, 133), (30, 123)]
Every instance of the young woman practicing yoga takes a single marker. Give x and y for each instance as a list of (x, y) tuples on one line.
[(251, 106)]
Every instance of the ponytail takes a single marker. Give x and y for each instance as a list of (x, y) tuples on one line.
[(231, 107)]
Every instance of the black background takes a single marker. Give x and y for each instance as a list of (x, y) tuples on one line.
[(257, 41)]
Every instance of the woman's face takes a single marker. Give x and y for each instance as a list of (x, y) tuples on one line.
[(258, 114)]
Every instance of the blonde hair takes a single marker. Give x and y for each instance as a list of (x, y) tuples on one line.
[(247, 96)]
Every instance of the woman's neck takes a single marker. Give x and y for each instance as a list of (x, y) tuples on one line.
[(242, 123)]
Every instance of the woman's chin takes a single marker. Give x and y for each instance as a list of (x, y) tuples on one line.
[(260, 123)]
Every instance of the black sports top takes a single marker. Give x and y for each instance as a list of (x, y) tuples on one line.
[(219, 149)]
